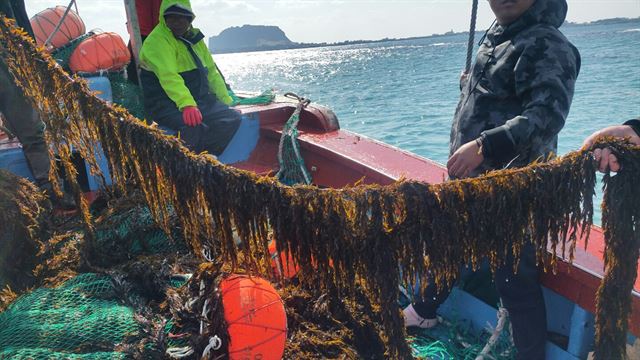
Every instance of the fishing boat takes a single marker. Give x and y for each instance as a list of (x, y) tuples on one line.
[(337, 158)]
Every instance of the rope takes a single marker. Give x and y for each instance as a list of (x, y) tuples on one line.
[(472, 35), (179, 352), (296, 172), (503, 314), (55, 31), (214, 344)]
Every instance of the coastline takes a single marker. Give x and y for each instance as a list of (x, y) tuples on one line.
[(296, 45)]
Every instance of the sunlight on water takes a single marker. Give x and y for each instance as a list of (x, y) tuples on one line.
[(404, 93)]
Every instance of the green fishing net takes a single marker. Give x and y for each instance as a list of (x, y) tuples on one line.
[(83, 318), (266, 97), (292, 167), (455, 338), (127, 94), (134, 232)]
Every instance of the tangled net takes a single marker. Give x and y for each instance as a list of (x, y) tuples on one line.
[(351, 242)]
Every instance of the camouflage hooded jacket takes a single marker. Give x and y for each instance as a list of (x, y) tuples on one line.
[(520, 89)]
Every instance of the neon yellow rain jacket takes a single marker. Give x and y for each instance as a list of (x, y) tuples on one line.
[(169, 59)]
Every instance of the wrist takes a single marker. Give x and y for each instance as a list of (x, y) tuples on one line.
[(479, 145), (483, 147)]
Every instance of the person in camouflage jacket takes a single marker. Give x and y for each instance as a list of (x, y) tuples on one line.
[(512, 106), (518, 95)]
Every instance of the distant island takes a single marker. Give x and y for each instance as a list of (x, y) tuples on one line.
[(248, 38), (604, 22)]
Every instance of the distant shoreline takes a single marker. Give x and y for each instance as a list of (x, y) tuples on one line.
[(294, 45)]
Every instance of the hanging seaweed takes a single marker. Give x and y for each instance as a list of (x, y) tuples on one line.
[(621, 223), (345, 239)]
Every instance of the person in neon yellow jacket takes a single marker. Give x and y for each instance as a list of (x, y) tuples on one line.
[(183, 89)]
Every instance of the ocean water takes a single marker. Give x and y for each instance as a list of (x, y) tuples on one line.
[(405, 92)]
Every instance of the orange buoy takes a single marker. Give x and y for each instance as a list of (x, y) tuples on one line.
[(100, 52), (44, 22), (257, 321), (289, 267)]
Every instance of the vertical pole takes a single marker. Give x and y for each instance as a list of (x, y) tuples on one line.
[(133, 27)]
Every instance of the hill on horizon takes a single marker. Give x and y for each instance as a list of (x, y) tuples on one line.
[(268, 37), (246, 37)]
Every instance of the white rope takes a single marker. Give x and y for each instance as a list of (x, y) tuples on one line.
[(205, 316), (206, 253), (214, 344), (503, 315), (189, 304), (179, 353)]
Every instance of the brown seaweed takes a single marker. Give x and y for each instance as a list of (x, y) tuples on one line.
[(22, 209)]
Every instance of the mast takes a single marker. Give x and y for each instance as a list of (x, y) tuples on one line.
[(133, 27)]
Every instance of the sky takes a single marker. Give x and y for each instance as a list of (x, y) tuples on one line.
[(335, 20)]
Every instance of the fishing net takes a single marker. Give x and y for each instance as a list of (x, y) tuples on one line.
[(127, 94), (126, 233), (351, 243), (266, 97), (83, 318), (292, 168)]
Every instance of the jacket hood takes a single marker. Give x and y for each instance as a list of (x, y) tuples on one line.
[(550, 12), (183, 4)]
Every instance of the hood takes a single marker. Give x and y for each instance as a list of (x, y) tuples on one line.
[(183, 4), (551, 12)]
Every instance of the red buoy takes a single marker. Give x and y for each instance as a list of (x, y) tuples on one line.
[(44, 22), (100, 52), (289, 267), (257, 321)]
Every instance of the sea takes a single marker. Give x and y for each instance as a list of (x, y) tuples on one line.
[(404, 92)]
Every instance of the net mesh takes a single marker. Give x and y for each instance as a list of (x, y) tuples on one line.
[(292, 167), (127, 94), (266, 97), (83, 317), (134, 232)]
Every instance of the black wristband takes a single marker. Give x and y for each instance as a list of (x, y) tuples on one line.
[(497, 145), (635, 125)]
